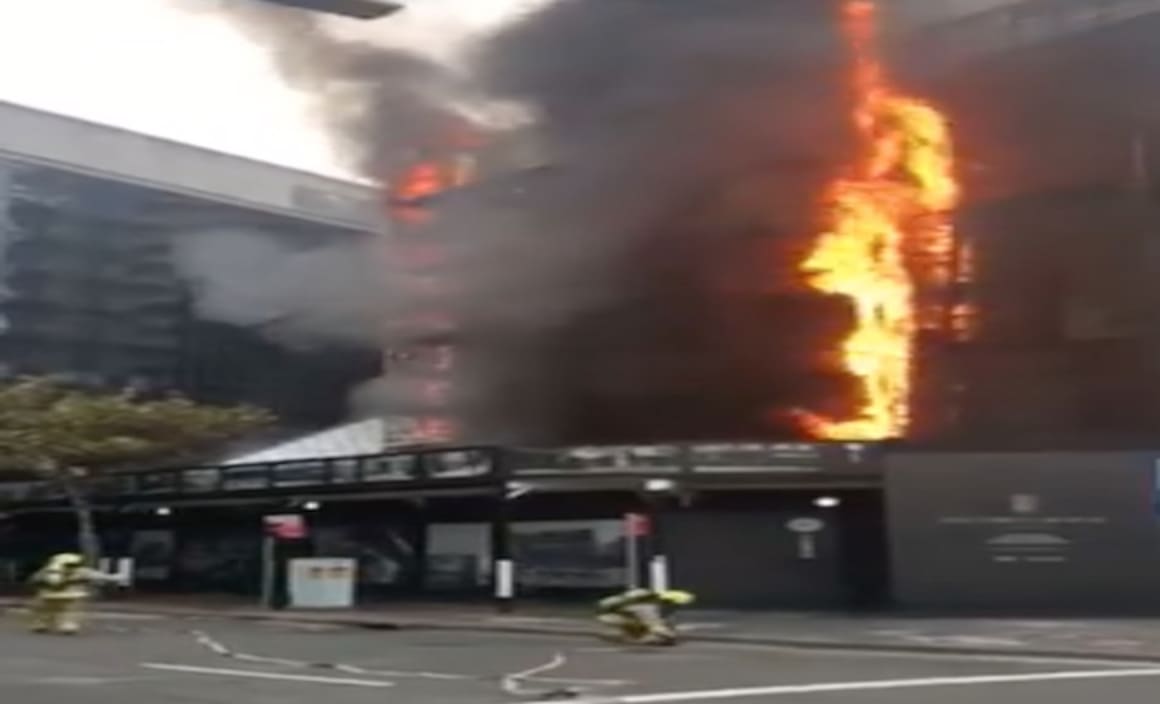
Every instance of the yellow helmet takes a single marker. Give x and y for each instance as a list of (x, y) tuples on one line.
[(678, 597), (67, 559)]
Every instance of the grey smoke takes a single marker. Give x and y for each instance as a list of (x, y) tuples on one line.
[(380, 104), (303, 296)]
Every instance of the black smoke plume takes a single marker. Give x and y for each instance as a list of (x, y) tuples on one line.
[(644, 287)]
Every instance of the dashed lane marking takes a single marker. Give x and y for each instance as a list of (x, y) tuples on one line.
[(223, 672)]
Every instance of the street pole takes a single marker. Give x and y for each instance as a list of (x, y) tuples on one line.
[(658, 494), (503, 566), (632, 555), (269, 570), (659, 561)]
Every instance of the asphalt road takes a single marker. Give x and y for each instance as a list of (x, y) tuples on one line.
[(165, 661)]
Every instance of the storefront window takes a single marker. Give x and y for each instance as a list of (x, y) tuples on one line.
[(458, 556), (570, 554)]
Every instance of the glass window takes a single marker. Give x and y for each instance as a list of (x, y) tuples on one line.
[(245, 477), (157, 482), (345, 471), (390, 468), (17, 491), (459, 463), (300, 473), (200, 480), (113, 485)]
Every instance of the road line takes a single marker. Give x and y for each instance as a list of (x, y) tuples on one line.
[(264, 675), (743, 692)]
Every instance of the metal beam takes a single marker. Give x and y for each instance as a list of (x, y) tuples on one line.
[(946, 47), (357, 9)]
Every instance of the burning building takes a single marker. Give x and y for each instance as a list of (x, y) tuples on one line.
[(754, 225), (1059, 348), (720, 312), (420, 361)]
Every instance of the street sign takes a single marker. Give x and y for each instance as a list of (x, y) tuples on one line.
[(290, 526), (805, 528), (637, 525), (806, 525)]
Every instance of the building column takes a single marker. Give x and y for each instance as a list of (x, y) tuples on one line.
[(7, 228)]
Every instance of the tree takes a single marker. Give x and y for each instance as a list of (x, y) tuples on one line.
[(68, 435)]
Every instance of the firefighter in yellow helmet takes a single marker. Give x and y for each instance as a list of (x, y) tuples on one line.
[(62, 587), (643, 615)]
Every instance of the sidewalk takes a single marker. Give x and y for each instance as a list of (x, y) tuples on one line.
[(1112, 638)]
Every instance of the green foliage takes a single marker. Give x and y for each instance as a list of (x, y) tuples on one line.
[(47, 426)]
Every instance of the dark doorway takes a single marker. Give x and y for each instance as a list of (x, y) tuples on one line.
[(781, 549), (862, 545)]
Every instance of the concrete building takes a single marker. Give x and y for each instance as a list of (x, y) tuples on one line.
[(88, 217)]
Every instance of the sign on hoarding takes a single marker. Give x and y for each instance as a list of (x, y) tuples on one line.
[(757, 457), (637, 525), (612, 459)]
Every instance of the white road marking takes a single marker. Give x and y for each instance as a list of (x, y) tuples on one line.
[(264, 675), (82, 681), (693, 627), (356, 670), (743, 692), (1110, 660), (580, 681)]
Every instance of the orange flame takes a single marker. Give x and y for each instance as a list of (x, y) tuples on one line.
[(421, 180), (888, 234)]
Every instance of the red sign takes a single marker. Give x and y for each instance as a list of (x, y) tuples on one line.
[(286, 527), (637, 524)]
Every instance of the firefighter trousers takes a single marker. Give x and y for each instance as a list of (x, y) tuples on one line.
[(56, 615)]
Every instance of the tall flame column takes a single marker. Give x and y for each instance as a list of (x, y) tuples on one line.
[(887, 236)]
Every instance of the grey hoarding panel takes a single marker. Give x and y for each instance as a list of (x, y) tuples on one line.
[(1071, 530)]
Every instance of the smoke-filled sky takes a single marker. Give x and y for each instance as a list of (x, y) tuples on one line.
[(150, 66), (155, 67)]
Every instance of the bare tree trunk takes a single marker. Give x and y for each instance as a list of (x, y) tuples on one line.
[(88, 541)]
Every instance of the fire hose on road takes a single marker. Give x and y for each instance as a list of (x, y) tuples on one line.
[(520, 684)]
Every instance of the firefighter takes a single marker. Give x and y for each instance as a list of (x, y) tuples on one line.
[(62, 587), (642, 615)]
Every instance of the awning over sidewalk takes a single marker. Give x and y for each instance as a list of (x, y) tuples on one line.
[(365, 437)]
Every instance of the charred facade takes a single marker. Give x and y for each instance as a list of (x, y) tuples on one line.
[(1059, 344)]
